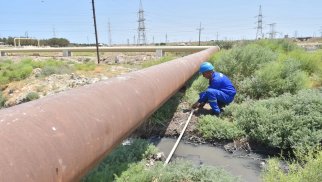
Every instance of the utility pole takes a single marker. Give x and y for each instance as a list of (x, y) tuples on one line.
[(128, 42), (321, 31), (259, 33), (166, 38), (199, 29), (134, 41), (94, 17), (153, 40), (141, 28), (109, 34), (217, 35), (272, 32)]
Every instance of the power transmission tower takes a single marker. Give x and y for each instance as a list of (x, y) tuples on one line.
[(109, 34), (54, 32), (272, 32), (134, 40), (199, 29), (259, 33), (295, 34), (141, 28)]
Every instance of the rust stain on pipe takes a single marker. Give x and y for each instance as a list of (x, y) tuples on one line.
[(60, 137)]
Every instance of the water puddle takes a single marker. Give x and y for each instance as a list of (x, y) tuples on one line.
[(247, 168)]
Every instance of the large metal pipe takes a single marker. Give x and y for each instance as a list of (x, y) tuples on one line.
[(112, 49), (60, 137)]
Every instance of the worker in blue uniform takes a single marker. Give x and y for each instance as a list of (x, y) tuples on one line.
[(220, 92)]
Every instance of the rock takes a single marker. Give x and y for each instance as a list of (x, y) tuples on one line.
[(36, 72)]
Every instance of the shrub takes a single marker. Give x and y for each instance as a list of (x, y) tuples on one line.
[(31, 96), (120, 160), (88, 66), (2, 100), (242, 62), (310, 171), (212, 127), (287, 122), (274, 79), (61, 69), (176, 171)]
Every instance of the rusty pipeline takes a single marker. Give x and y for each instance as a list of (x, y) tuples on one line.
[(61, 137)]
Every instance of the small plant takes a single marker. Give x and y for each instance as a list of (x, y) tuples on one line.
[(2, 100), (212, 127), (120, 160), (87, 66), (146, 64), (309, 171), (177, 171), (31, 96)]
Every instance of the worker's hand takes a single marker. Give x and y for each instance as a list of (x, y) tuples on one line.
[(198, 105), (195, 105), (201, 105)]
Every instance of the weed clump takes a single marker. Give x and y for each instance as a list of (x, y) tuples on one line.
[(176, 171), (120, 160), (212, 128), (292, 122), (31, 96)]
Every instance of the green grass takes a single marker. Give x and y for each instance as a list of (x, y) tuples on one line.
[(2, 100), (120, 160), (178, 171), (214, 128), (309, 171), (149, 63)]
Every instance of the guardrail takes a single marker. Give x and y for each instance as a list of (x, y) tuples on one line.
[(67, 51), (61, 137)]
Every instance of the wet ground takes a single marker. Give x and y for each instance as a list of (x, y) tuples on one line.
[(247, 166)]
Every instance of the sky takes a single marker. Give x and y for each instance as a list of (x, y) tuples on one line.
[(178, 20)]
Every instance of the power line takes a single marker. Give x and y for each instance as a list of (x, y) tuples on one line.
[(259, 33)]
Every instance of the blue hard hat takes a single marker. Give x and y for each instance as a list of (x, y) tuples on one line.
[(206, 66)]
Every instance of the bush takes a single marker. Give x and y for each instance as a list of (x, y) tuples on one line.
[(2, 100), (120, 160), (212, 127), (31, 96), (177, 171), (310, 171), (242, 62), (274, 79), (88, 66), (287, 122), (197, 86), (49, 70)]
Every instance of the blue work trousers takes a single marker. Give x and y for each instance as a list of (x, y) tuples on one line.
[(216, 99)]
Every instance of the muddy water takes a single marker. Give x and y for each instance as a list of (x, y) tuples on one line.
[(246, 168)]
